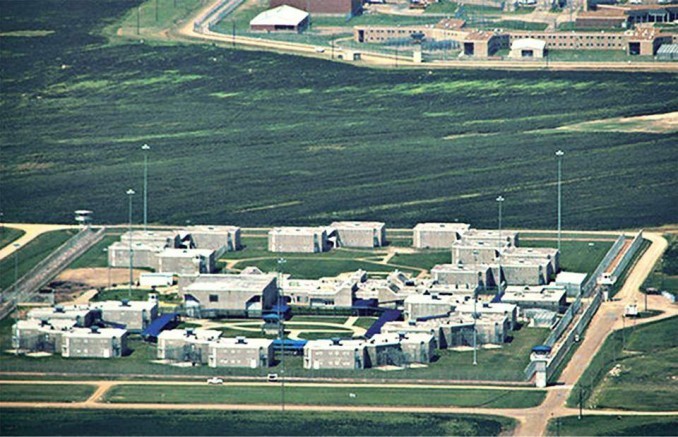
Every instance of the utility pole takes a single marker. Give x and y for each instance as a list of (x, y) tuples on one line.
[(130, 193), (581, 402), (233, 34), (138, 18), (145, 148), (500, 200), (559, 156), (475, 331), (16, 266), (281, 333)]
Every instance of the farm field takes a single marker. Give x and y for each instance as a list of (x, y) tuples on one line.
[(76, 109), (44, 393), (31, 254), (8, 235), (613, 426), (634, 370), (161, 423), (295, 395)]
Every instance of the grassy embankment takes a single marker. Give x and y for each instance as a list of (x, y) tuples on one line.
[(8, 235), (44, 393), (613, 426)]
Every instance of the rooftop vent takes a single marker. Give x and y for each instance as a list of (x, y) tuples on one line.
[(94, 329), (124, 302), (59, 309), (189, 332), (240, 340), (336, 341)]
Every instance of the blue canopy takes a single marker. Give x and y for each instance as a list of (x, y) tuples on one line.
[(160, 324), (542, 349), (386, 316)]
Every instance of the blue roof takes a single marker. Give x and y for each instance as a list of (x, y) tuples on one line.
[(541, 349), (386, 316), (366, 303), (289, 344), (158, 325)]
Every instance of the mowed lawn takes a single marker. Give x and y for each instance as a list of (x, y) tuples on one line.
[(239, 423), (8, 235), (326, 395), (44, 392), (575, 256), (590, 425)]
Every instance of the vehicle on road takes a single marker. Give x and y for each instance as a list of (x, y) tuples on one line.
[(272, 377), (215, 381)]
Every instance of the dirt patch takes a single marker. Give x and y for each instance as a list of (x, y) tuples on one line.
[(657, 123), (97, 277)]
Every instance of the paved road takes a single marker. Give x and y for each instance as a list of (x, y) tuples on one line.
[(32, 230)]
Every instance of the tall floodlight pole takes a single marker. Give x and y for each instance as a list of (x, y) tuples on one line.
[(130, 194), (559, 156), (109, 267), (16, 265), (145, 148), (500, 200), (475, 331), (281, 333)]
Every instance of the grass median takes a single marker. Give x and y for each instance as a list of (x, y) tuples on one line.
[(44, 392)]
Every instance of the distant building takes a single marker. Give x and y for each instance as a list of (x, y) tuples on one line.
[(551, 298), (473, 252), (40, 335), (144, 255), (424, 305), (492, 237), (135, 315), (360, 234), (524, 271), (323, 7), (438, 235), (476, 275), (282, 18), (241, 352), (94, 342), (297, 240), (186, 345), (334, 354), (82, 315), (573, 282), (231, 295), (186, 261), (221, 239)]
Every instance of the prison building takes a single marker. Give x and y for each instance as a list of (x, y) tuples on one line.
[(527, 48), (135, 315), (323, 7), (550, 298), (186, 345), (334, 292), (424, 305), (160, 239), (400, 349), (491, 328), (360, 234), (506, 238), (523, 271), (245, 352), (187, 261), (82, 315), (437, 235), (40, 335), (538, 253), (483, 43), (573, 282), (334, 354), (390, 291), (474, 252), (94, 342), (231, 295), (281, 19), (538, 318), (144, 255), (221, 239), (475, 275), (645, 41), (297, 240), (497, 308)]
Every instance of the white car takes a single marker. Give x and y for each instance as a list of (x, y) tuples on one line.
[(215, 381), (319, 50)]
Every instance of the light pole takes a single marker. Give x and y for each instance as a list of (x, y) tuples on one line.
[(500, 201), (145, 148), (109, 267), (130, 193), (16, 265), (559, 156), (281, 333), (475, 331)]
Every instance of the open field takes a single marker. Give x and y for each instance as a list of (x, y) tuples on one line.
[(161, 423), (614, 425), (576, 256), (76, 110), (635, 370), (7, 235), (295, 395), (44, 393), (95, 256), (31, 254)]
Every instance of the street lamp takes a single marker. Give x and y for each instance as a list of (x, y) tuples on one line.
[(130, 193), (500, 201), (475, 331), (281, 333), (109, 267), (559, 157), (145, 148), (16, 266)]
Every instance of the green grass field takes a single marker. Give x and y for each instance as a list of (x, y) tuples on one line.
[(634, 370), (576, 256), (95, 256), (31, 254), (76, 110), (44, 393), (613, 426), (8, 235), (295, 395), (238, 423)]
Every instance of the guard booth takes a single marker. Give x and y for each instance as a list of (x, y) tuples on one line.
[(540, 356)]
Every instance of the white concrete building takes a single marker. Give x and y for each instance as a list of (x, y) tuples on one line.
[(82, 315), (136, 315), (297, 240), (360, 234), (324, 292), (475, 275), (94, 342), (187, 345), (424, 305), (186, 261), (438, 235), (221, 239), (241, 352), (334, 354), (573, 282), (546, 297), (40, 335), (527, 48), (400, 348)]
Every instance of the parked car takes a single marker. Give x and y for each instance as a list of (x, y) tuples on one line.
[(272, 377), (215, 381)]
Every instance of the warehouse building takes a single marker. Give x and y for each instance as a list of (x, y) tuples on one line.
[(94, 342), (573, 282), (438, 235), (334, 292), (82, 315), (323, 7), (552, 298), (186, 261), (334, 354), (360, 234), (221, 239), (231, 295), (252, 353), (134, 314), (527, 48), (144, 255), (40, 335), (297, 240), (475, 275), (399, 349), (186, 345), (281, 19)]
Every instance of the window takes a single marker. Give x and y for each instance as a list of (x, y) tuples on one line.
[(214, 298)]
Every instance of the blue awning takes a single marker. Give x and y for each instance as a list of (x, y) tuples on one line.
[(160, 324), (290, 345), (542, 349), (386, 316)]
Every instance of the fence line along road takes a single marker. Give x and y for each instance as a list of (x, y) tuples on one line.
[(40, 275)]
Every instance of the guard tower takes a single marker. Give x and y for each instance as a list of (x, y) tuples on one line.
[(540, 356), (83, 217)]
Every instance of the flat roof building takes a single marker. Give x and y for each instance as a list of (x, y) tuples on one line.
[(143, 255), (551, 298), (540, 253), (221, 239), (186, 345), (400, 349), (438, 235), (425, 305), (573, 282), (187, 261), (282, 18), (134, 314), (251, 353), (229, 294), (297, 240), (527, 48), (473, 252), (40, 335), (94, 342), (82, 315), (474, 275), (506, 239), (360, 234), (324, 292), (334, 354), (524, 271)]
